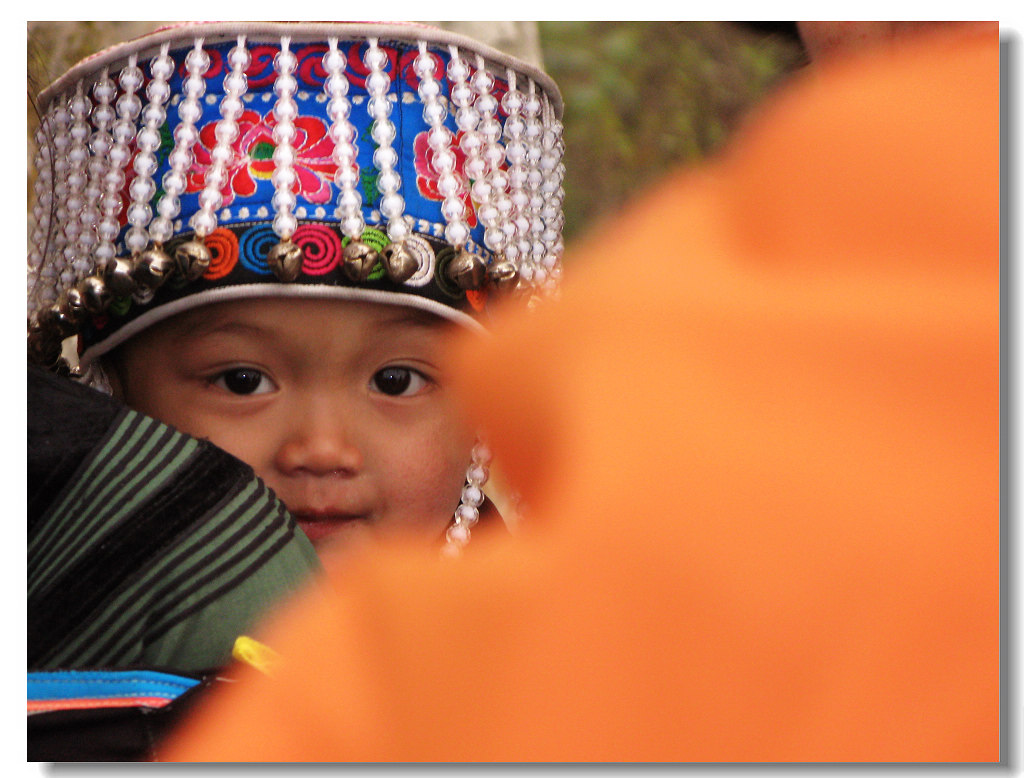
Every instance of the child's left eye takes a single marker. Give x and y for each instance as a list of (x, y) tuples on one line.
[(398, 381), (244, 380)]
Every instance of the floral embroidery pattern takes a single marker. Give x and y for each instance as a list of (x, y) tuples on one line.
[(427, 176), (252, 157)]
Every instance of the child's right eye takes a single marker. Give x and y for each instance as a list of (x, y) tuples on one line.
[(244, 380)]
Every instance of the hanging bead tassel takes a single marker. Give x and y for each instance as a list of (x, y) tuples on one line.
[(192, 258), (97, 162), (468, 512), (553, 195), (75, 264), (489, 188), (41, 293), (61, 165), (285, 258), (86, 181), (117, 271), (466, 270), (358, 258), (399, 263), (55, 316), (530, 268), (151, 266), (450, 183)]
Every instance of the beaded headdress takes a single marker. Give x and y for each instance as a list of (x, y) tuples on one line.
[(370, 160), (395, 163)]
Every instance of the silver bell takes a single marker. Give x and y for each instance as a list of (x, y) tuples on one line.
[(504, 275), (118, 276), (71, 306), (57, 319), (467, 270), (399, 263), (96, 297), (152, 268), (359, 260), (192, 259), (285, 259)]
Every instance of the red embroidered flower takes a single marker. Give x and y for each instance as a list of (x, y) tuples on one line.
[(426, 175), (252, 157)]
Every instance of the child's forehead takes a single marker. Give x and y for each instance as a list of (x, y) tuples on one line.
[(269, 314)]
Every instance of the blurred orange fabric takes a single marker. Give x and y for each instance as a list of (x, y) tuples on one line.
[(759, 444)]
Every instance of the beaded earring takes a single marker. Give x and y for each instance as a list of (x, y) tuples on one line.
[(468, 512)]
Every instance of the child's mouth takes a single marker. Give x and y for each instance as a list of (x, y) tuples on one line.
[(319, 526)]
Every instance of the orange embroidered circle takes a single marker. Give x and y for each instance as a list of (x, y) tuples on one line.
[(223, 246)]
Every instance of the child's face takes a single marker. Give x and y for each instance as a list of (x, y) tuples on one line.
[(342, 408)]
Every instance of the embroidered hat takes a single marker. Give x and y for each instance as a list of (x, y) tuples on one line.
[(205, 162)]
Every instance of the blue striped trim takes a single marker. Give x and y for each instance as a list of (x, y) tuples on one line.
[(95, 684)]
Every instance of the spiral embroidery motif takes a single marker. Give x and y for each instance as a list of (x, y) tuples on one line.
[(321, 248), (253, 246), (310, 70), (223, 246), (261, 71)]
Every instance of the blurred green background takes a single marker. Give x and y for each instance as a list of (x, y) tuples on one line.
[(641, 97)]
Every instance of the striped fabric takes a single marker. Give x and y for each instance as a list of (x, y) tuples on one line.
[(160, 551)]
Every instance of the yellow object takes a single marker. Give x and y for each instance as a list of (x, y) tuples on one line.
[(255, 654)]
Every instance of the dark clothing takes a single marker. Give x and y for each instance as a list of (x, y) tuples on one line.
[(147, 548)]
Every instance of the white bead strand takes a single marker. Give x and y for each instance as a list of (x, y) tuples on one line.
[(285, 258), (465, 269), (343, 133), (116, 270), (128, 108), (190, 111), (143, 187), (75, 263), (97, 162), (41, 291), (151, 267), (554, 195), (399, 260), (468, 512), (467, 118), (531, 269), (192, 258), (109, 170), (385, 158), (285, 111), (61, 122), (489, 189), (450, 184), (515, 154)]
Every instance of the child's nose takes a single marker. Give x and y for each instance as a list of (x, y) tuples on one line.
[(319, 441)]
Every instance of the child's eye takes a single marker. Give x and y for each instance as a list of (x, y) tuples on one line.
[(396, 381), (244, 380)]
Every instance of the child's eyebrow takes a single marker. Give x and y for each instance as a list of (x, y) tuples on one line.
[(411, 316), (228, 327), (402, 317)]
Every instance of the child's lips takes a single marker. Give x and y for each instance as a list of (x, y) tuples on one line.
[(321, 524)]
